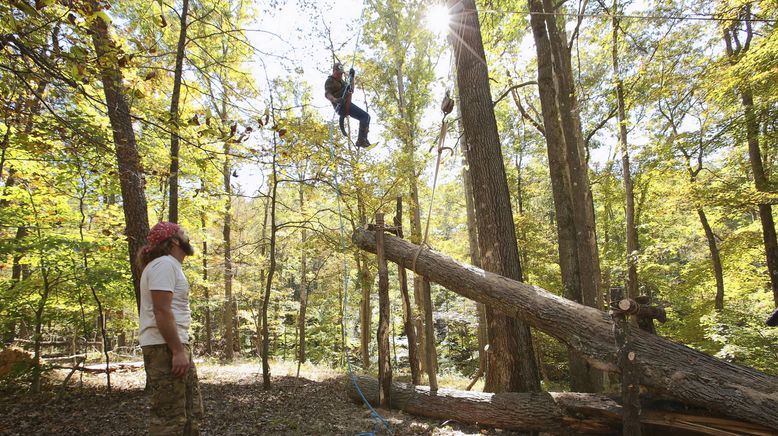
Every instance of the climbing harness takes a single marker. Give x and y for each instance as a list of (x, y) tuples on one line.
[(346, 102)]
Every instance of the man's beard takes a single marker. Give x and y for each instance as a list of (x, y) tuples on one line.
[(187, 248)]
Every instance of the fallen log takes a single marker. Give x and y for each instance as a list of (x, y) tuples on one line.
[(673, 369), (553, 412)]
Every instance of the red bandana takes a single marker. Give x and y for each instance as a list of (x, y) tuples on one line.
[(161, 232)]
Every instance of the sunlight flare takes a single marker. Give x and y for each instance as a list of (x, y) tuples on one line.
[(438, 19)]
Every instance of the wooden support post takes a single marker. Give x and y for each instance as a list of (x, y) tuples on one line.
[(410, 331), (429, 337), (621, 309), (384, 361), (647, 313)]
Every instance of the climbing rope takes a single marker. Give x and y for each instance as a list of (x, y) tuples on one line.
[(446, 107), (379, 420)]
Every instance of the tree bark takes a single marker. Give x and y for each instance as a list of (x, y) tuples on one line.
[(384, 362), (174, 114), (512, 363), (672, 369), (128, 161)]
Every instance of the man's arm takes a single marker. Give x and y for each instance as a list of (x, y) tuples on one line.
[(166, 323)]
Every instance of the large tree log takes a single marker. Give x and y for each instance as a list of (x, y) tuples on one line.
[(673, 369), (553, 412)]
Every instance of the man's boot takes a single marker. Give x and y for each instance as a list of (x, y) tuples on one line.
[(362, 138)]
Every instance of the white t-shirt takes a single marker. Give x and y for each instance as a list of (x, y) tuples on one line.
[(164, 274)]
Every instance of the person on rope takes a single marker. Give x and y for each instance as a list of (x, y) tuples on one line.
[(176, 405), (339, 92)]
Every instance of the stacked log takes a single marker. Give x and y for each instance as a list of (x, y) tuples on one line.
[(672, 369)]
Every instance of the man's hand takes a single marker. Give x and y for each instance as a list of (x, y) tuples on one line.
[(180, 364), (166, 323)]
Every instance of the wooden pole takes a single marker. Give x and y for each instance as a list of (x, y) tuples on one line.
[(410, 331), (621, 309), (384, 362), (429, 337)]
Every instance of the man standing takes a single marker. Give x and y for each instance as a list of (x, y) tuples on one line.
[(338, 93), (176, 406)]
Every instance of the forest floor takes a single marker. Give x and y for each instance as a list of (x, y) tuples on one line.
[(235, 404)]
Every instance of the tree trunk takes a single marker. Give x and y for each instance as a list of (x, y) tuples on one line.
[(174, 114), (409, 150), (206, 289), (36, 359), (512, 364), (583, 206), (715, 259), (673, 369), (384, 363), (762, 185), (631, 231), (128, 160), (475, 257), (754, 152), (271, 268), (229, 315), (303, 288), (630, 378), (569, 181), (365, 283), (409, 328), (431, 355)]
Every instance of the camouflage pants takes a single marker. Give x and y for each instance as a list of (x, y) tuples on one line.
[(176, 406)]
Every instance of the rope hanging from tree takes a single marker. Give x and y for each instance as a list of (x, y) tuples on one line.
[(446, 106), (380, 421)]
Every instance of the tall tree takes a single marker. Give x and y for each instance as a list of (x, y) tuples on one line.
[(407, 54), (631, 229), (175, 116), (512, 364), (128, 161), (742, 27), (578, 255)]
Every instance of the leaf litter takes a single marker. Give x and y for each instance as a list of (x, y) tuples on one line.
[(235, 404)]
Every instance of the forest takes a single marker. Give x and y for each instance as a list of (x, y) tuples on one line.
[(553, 186)]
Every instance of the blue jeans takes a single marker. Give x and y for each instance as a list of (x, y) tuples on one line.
[(357, 113)]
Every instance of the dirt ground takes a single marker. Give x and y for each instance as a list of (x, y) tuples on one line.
[(235, 404)]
